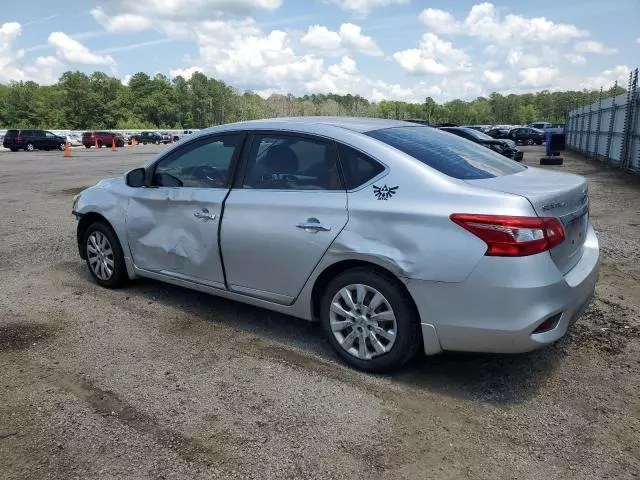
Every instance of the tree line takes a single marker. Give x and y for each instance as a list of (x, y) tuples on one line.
[(97, 101)]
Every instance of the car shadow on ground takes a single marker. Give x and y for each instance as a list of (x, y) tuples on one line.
[(495, 379)]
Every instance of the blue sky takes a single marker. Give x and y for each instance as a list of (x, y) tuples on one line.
[(393, 49)]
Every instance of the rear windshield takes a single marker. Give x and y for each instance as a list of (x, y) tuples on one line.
[(451, 155), (87, 134)]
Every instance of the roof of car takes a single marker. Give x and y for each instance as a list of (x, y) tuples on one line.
[(357, 124)]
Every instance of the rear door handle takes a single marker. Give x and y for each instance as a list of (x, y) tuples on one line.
[(313, 225), (204, 214)]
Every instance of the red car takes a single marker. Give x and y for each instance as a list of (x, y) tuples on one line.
[(89, 139)]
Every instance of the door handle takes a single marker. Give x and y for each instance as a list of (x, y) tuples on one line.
[(313, 225), (204, 214)]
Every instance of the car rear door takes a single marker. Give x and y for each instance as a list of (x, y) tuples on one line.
[(172, 225), (289, 205)]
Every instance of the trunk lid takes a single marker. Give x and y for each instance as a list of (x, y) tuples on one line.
[(552, 194)]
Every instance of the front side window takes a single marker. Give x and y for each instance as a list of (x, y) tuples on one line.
[(201, 164), (451, 155), (289, 162), (49, 134)]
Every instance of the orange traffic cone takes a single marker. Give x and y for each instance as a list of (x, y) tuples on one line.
[(67, 150), (113, 144)]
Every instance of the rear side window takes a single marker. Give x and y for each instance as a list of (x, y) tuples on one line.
[(11, 133), (290, 162), (453, 156), (358, 168)]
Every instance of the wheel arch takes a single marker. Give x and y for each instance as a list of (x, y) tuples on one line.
[(85, 221), (331, 271)]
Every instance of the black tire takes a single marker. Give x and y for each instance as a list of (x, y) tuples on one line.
[(408, 336), (551, 161), (15, 149), (144, 143), (157, 142), (30, 147), (99, 144), (61, 147), (530, 141), (119, 274), (87, 146)]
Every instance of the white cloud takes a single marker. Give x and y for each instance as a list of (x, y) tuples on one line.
[(575, 59), (69, 50), (365, 6), (434, 56), (592, 46), (484, 21), (492, 77), (44, 70), (538, 76), (517, 58), (349, 37), (605, 79), (352, 37), (127, 22), (439, 21), (321, 38), (491, 50), (186, 73), (182, 10), (638, 40)]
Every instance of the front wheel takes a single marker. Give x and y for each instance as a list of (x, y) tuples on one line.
[(104, 256), (530, 141), (61, 147), (369, 320)]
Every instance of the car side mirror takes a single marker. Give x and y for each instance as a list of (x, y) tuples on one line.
[(135, 178)]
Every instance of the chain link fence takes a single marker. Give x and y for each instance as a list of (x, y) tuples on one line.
[(609, 129)]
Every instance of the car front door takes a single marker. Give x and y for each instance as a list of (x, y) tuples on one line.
[(287, 209), (50, 140), (172, 225)]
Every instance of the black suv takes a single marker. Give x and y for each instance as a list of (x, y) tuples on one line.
[(527, 136), (503, 147), (30, 140), (150, 137)]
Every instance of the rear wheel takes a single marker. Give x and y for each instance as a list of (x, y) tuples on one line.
[(61, 147), (30, 147), (99, 144), (529, 141), (87, 146), (369, 320), (104, 255)]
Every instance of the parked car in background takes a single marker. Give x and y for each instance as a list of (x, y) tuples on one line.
[(498, 132), (394, 236), (101, 139), (166, 137), (74, 139), (527, 136), (150, 137), (539, 125), (31, 139), (503, 147)]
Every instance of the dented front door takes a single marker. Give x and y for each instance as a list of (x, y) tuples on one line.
[(172, 227), (175, 231)]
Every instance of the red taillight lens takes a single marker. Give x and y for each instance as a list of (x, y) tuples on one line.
[(19, 138), (512, 236)]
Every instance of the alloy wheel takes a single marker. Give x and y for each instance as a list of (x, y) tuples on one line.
[(362, 321), (100, 255), (30, 147)]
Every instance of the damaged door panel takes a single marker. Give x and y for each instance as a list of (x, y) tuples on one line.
[(175, 232), (172, 225)]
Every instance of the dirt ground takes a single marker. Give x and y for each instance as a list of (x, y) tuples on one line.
[(154, 381)]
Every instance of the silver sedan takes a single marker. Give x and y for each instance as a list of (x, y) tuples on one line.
[(397, 237)]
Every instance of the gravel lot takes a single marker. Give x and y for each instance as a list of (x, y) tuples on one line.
[(154, 381)]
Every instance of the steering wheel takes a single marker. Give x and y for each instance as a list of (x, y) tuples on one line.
[(210, 175)]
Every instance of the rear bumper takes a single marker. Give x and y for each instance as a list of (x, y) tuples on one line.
[(498, 307)]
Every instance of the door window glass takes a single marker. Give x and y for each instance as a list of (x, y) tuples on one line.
[(49, 134), (292, 163), (200, 164)]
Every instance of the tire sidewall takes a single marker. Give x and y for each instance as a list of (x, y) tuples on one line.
[(119, 273), (408, 333)]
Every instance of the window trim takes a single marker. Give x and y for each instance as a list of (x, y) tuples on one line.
[(250, 142), (233, 164)]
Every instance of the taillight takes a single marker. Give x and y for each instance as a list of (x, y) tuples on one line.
[(507, 236), (19, 138)]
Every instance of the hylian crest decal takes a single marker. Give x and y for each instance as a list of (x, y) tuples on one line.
[(384, 192)]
